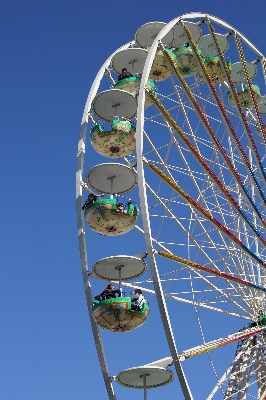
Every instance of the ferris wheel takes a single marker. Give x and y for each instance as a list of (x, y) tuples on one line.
[(177, 114)]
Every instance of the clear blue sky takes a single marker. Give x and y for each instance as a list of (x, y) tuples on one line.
[(50, 54)]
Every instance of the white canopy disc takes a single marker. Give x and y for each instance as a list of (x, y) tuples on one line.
[(132, 59), (238, 74), (108, 268), (207, 45), (146, 34), (262, 104), (181, 36), (114, 103), (124, 178), (155, 377)]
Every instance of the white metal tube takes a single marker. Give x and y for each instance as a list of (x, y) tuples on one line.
[(111, 187), (119, 277), (81, 225), (144, 377), (145, 215)]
